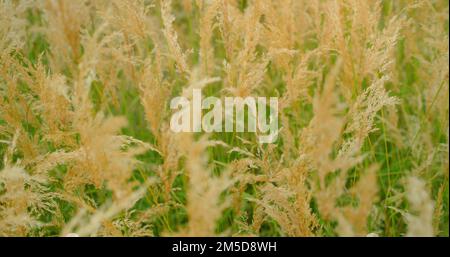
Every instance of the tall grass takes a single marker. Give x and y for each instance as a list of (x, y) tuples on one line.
[(86, 148)]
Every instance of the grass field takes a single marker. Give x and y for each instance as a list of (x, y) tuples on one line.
[(86, 146)]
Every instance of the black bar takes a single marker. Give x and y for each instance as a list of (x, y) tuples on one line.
[(235, 246)]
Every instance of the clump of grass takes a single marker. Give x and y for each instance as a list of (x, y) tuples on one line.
[(86, 148)]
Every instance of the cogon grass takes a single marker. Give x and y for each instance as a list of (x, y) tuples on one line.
[(361, 144)]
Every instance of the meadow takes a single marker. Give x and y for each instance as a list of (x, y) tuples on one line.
[(363, 111)]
